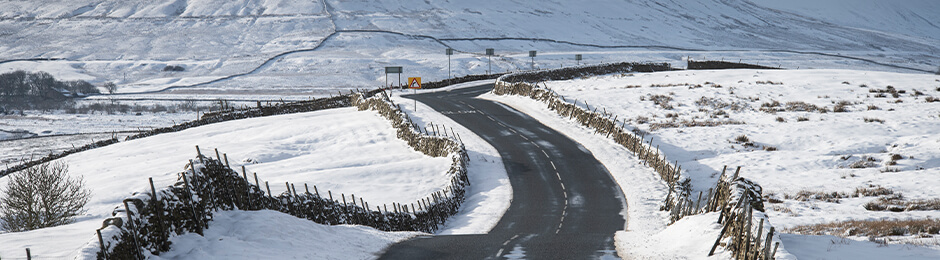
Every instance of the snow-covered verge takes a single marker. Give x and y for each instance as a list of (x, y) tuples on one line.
[(810, 163), (262, 235), (342, 150)]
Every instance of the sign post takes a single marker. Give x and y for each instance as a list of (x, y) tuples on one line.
[(415, 83), (532, 55), (489, 53), (449, 53), (392, 70), (577, 57)]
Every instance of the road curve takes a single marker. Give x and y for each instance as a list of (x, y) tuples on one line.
[(565, 204)]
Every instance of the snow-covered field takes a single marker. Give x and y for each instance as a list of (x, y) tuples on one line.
[(791, 151), (342, 150), (131, 42)]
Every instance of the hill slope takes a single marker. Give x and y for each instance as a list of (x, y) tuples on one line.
[(132, 41)]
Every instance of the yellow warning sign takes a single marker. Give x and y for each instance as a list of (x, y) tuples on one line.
[(414, 82)]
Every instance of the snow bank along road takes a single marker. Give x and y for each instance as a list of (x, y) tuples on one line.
[(565, 204)]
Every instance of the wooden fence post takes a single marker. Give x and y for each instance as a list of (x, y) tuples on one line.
[(130, 225)]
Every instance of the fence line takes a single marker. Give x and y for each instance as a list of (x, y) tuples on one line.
[(737, 235), (147, 221)]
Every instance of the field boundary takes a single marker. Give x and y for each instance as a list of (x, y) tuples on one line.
[(149, 219)]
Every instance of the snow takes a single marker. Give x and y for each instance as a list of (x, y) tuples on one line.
[(267, 234), (130, 42), (809, 155), (342, 150)]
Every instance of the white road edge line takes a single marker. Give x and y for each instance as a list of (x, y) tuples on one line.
[(500, 252)]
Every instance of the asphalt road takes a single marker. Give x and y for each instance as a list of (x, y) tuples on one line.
[(565, 204)]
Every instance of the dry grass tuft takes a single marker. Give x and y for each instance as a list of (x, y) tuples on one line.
[(693, 123), (836, 197), (805, 107), (841, 106), (662, 101), (802, 118), (872, 119), (896, 203), (871, 228)]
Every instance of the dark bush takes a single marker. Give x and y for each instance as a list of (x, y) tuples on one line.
[(173, 68)]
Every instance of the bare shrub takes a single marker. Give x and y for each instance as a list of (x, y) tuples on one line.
[(110, 87), (931, 99), (802, 118), (41, 196), (872, 119), (873, 107), (742, 139), (770, 148), (781, 120)]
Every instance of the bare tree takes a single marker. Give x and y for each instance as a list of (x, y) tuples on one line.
[(41, 196), (110, 87)]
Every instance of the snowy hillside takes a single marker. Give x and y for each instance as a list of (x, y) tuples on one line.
[(341, 150), (825, 145), (130, 42)]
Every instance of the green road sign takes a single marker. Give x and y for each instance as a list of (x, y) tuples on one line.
[(392, 69)]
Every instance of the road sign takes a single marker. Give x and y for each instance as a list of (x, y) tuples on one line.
[(490, 51), (450, 51), (577, 57), (414, 82), (531, 53), (392, 69)]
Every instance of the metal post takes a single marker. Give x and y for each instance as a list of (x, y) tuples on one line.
[(449, 52)]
